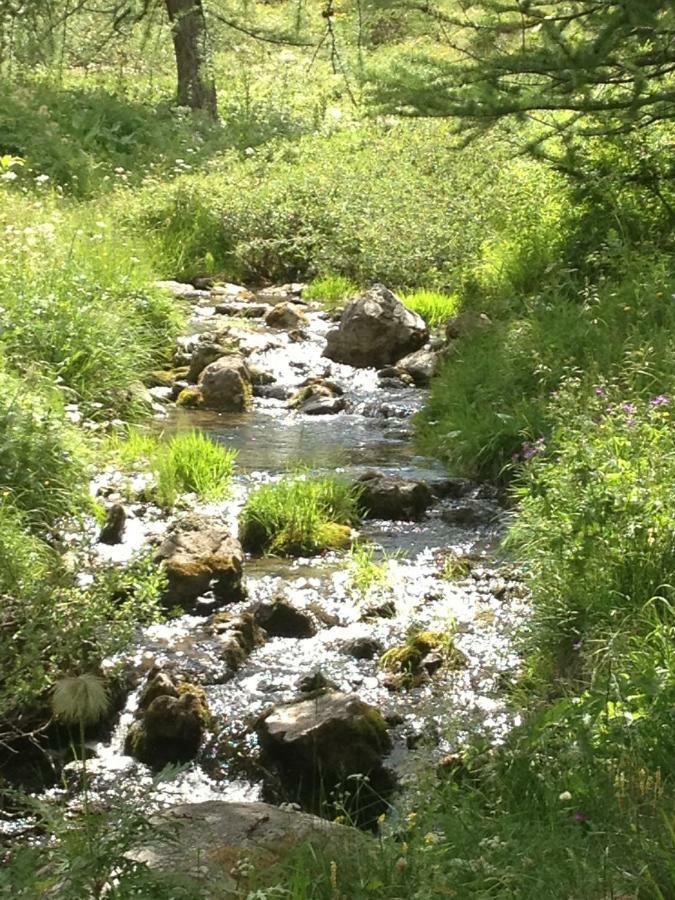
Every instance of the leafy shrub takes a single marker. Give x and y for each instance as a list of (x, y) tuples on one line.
[(434, 308), (299, 515), (345, 204), (192, 462), (44, 458)]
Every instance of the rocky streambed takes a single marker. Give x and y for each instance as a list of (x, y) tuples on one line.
[(288, 680)]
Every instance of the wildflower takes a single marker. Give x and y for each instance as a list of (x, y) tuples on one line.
[(580, 818), (430, 838), (41, 179), (9, 176), (401, 865), (565, 797), (661, 400), (599, 391), (629, 408)]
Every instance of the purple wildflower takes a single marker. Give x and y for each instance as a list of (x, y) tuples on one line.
[(631, 423), (580, 817), (661, 400), (600, 391), (629, 408)]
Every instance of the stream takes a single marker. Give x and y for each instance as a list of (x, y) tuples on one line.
[(428, 719)]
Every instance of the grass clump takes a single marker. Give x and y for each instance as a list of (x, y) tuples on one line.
[(193, 463), (434, 308), (189, 462), (332, 291), (299, 515), (407, 661), (366, 572)]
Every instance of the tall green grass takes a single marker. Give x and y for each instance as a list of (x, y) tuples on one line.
[(493, 394), (299, 514), (77, 305), (45, 460), (436, 309), (332, 291), (193, 463)]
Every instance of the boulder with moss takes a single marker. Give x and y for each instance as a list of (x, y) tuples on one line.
[(226, 384), (237, 635), (317, 743), (200, 555), (170, 722), (286, 315)]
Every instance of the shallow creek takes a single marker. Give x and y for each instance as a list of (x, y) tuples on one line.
[(374, 432)]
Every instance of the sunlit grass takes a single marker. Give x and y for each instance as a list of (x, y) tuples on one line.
[(299, 515)]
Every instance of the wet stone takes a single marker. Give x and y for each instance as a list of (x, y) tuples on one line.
[(112, 530), (281, 619), (392, 497)]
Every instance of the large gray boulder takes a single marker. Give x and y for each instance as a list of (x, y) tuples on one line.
[(219, 842), (421, 366), (375, 329), (201, 555)]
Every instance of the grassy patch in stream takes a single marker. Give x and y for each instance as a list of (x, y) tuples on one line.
[(299, 515), (188, 463)]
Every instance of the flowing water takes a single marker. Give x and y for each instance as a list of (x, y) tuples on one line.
[(429, 719)]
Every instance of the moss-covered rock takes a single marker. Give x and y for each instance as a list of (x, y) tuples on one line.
[(226, 385), (190, 398), (316, 744), (200, 555), (171, 721)]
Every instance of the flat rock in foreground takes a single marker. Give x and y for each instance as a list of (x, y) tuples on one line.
[(212, 839)]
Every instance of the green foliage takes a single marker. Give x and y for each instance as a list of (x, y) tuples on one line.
[(493, 393), (193, 463), (343, 204), (88, 139), (576, 69), (299, 515), (49, 627), (77, 307), (595, 525), (330, 290), (44, 458), (434, 308), (366, 572)]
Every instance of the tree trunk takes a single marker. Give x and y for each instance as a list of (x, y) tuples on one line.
[(196, 88)]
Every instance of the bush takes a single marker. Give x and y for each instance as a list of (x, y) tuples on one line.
[(299, 515), (193, 463), (345, 204), (77, 307)]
